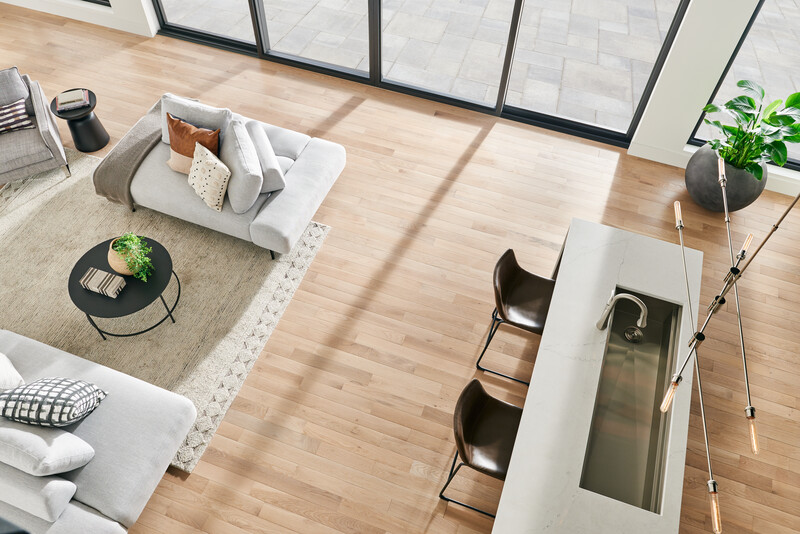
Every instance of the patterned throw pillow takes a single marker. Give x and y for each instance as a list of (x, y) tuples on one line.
[(51, 402), (13, 117), (209, 177)]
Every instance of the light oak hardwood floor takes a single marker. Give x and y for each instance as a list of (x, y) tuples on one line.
[(344, 425)]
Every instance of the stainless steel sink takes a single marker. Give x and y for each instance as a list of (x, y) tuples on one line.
[(627, 443)]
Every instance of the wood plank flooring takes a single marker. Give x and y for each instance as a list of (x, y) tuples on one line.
[(344, 425)]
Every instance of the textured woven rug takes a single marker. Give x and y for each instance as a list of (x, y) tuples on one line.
[(232, 293)]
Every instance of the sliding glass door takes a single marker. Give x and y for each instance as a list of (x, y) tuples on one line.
[(446, 46), (331, 32), (588, 61), (222, 18), (576, 65)]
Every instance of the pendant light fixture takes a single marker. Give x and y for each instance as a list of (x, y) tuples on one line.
[(729, 282)]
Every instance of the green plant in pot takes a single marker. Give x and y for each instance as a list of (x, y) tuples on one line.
[(758, 135), (128, 255)]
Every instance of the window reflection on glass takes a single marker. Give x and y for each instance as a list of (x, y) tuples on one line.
[(453, 47), (770, 56), (229, 18), (586, 60)]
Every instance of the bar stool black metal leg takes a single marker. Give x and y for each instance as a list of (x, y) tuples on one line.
[(91, 321), (453, 471), (164, 302), (496, 322)]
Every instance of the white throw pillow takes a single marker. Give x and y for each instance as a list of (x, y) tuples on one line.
[(209, 177), (239, 153), (9, 377), (274, 179), (44, 497), (41, 451)]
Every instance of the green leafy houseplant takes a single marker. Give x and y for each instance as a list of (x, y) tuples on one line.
[(759, 133), (134, 251)]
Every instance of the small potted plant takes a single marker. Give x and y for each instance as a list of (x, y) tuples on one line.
[(127, 255), (758, 135)]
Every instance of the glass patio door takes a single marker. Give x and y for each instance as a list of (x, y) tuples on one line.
[(586, 61), (450, 47), (229, 19), (332, 32)]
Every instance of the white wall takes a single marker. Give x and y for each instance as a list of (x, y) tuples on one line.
[(703, 46), (135, 16)]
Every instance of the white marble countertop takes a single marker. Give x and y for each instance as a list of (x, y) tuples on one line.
[(541, 493)]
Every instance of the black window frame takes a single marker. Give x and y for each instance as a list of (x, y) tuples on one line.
[(105, 3), (375, 76)]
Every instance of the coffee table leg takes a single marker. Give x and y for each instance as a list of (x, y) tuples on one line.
[(164, 302), (95, 326)]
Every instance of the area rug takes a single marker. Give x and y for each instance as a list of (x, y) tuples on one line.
[(232, 293)]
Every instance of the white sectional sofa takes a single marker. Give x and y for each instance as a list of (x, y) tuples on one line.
[(135, 433)]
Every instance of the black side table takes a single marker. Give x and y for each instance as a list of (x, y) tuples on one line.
[(86, 129), (135, 296)]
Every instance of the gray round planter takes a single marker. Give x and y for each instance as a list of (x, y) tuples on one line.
[(703, 185)]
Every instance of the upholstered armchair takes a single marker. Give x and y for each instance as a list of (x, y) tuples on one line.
[(24, 153)]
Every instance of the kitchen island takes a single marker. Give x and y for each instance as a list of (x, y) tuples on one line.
[(593, 455)]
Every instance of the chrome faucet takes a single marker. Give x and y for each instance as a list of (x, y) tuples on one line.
[(641, 323)]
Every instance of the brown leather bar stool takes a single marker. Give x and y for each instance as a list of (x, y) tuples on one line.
[(521, 299), (485, 429)]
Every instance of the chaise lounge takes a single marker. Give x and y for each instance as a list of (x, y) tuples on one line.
[(135, 173)]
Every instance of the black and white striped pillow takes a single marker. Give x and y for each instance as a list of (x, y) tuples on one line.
[(51, 402), (13, 117)]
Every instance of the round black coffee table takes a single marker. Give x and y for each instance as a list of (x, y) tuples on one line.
[(87, 131), (135, 296)]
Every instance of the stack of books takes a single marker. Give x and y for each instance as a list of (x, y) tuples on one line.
[(75, 99), (102, 282)]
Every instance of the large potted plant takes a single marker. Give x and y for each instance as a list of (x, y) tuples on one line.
[(758, 135), (128, 255)]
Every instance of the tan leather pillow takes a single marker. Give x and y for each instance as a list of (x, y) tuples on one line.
[(182, 139)]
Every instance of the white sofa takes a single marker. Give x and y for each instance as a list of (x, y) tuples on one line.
[(135, 433), (276, 220)]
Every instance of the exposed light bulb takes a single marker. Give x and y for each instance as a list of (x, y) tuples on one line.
[(747, 242), (720, 168), (678, 218), (751, 425), (716, 520), (667, 402)]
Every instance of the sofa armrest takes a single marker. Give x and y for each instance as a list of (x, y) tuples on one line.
[(45, 121), (285, 216)]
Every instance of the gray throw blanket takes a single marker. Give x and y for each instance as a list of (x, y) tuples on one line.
[(112, 178)]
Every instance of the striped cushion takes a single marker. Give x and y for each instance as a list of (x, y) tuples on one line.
[(13, 117)]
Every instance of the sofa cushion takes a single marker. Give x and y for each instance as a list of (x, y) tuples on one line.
[(159, 188), (182, 139), (271, 167), (12, 88), (77, 517), (284, 217), (9, 377), (51, 401), (41, 451), (193, 112), (239, 154), (22, 148), (44, 497), (209, 177), (135, 433)]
